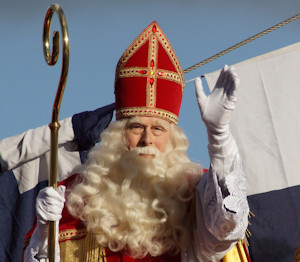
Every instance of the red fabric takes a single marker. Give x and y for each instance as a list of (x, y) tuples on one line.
[(246, 251), (131, 91), (118, 257), (169, 96), (163, 60), (140, 58), (149, 77)]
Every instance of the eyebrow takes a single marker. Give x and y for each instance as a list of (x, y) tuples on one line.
[(136, 120), (161, 123)]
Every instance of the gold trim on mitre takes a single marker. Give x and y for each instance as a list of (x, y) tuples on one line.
[(157, 36), (153, 36), (146, 111)]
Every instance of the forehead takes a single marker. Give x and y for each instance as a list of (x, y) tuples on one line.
[(149, 121)]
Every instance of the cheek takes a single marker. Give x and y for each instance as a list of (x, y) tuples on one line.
[(162, 142), (132, 140)]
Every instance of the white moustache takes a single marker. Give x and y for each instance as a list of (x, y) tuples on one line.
[(147, 150)]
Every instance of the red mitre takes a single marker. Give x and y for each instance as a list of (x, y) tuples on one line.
[(149, 79)]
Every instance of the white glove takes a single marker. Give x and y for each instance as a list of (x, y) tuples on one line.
[(217, 107), (49, 206)]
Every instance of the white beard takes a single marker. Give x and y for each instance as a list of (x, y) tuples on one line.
[(135, 203), (141, 170)]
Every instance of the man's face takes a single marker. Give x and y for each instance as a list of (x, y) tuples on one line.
[(147, 131)]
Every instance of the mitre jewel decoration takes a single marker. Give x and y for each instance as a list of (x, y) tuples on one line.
[(149, 79)]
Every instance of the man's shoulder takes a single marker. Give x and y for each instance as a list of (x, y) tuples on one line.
[(71, 180)]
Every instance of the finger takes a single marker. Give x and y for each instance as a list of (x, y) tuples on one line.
[(200, 94), (51, 193), (235, 79), (233, 96), (49, 215), (54, 209), (61, 190), (221, 77), (43, 209), (232, 73), (52, 202), (47, 219), (48, 211), (42, 216), (231, 82), (53, 217)]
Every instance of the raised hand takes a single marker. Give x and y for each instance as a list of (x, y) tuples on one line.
[(216, 108)]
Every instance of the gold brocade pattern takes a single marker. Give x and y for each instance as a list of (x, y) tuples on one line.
[(152, 71), (88, 250), (82, 250), (68, 234), (133, 72), (145, 111), (169, 75), (78, 245)]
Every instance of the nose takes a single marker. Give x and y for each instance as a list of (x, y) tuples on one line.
[(147, 138)]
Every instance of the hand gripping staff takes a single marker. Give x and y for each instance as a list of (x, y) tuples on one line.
[(54, 125)]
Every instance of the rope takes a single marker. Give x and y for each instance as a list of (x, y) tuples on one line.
[(293, 18)]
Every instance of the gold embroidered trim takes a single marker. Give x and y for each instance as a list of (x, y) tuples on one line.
[(133, 72), (143, 72), (170, 52), (153, 37), (85, 249), (72, 234), (145, 111), (169, 75), (152, 69), (131, 50)]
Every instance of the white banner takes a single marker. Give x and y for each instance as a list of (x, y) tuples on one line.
[(266, 122)]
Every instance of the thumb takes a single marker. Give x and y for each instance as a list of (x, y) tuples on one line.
[(200, 95), (61, 190)]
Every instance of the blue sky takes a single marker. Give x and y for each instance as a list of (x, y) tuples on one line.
[(99, 33)]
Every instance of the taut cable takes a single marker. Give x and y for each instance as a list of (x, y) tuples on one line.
[(293, 18)]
